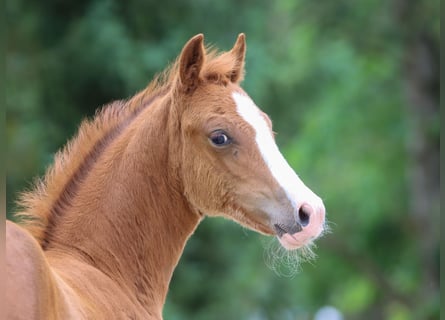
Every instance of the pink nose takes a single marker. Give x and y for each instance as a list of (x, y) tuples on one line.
[(305, 213), (309, 225)]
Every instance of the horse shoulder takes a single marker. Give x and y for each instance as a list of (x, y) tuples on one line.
[(101, 296), (33, 290)]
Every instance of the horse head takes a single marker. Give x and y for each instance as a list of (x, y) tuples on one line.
[(230, 164)]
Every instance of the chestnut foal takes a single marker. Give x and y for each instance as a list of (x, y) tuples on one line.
[(107, 225)]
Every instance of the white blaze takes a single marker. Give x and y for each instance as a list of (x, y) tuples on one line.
[(285, 176)]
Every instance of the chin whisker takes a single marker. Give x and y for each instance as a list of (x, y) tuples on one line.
[(286, 263), (327, 227)]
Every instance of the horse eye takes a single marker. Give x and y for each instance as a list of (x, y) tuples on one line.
[(219, 139)]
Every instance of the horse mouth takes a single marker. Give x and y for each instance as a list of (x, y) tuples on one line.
[(296, 236), (281, 229)]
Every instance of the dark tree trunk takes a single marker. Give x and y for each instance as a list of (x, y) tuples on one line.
[(422, 91)]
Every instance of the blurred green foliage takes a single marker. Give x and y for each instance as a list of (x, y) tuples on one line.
[(333, 75)]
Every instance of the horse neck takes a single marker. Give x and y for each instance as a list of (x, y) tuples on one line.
[(130, 217)]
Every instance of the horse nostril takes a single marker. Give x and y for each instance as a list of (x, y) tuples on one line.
[(303, 215)]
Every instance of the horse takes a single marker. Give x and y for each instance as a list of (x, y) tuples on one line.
[(104, 229)]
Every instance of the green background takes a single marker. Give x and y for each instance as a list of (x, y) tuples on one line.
[(353, 90)]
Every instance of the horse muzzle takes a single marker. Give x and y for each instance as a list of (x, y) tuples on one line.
[(308, 225)]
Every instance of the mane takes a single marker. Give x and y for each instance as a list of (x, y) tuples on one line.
[(44, 203)]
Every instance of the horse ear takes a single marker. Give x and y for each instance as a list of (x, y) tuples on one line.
[(239, 53), (190, 63)]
